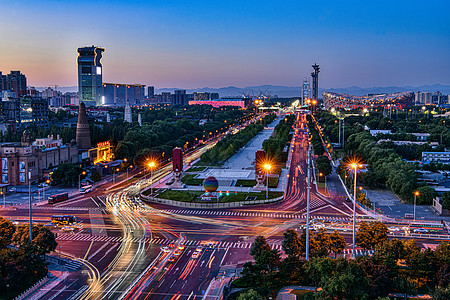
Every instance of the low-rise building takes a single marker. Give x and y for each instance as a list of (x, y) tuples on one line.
[(38, 157), (442, 157)]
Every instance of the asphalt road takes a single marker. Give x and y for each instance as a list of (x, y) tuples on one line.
[(126, 249)]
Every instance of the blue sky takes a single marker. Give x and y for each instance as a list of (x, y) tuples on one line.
[(193, 44)]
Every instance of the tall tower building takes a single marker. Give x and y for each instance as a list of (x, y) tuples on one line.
[(83, 133), (127, 117), (306, 91), (315, 81), (90, 71)]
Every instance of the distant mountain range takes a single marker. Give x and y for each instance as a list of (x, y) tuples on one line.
[(293, 91)]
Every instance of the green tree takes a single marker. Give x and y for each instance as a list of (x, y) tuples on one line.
[(250, 295), (324, 165), (7, 230), (445, 200), (371, 234), (66, 174), (43, 238), (426, 195), (259, 246), (337, 243), (292, 244), (95, 176)]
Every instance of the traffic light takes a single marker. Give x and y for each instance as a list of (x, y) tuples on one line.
[(228, 193)]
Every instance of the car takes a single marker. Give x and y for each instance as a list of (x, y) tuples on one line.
[(171, 245), (394, 229), (348, 200), (181, 247), (420, 230), (199, 249), (195, 254), (165, 249), (67, 228), (172, 258), (177, 252)]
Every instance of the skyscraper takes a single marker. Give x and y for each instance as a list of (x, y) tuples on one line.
[(90, 71), (315, 81), (14, 82), (83, 133), (127, 117)]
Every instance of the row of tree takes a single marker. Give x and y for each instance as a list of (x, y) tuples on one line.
[(229, 145), (22, 262), (396, 266), (323, 163), (274, 146)]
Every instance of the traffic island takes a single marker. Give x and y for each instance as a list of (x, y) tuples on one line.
[(192, 199)]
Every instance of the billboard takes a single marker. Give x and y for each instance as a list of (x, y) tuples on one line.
[(4, 178), (21, 166), (22, 177), (177, 156), (4, 165)]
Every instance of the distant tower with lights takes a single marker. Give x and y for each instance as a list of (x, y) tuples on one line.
[(315, 81), (128, 112), (306, 91), (90, 69)]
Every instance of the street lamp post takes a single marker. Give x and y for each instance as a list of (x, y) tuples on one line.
[(354, 166), (114, 174), (29, 198), (267, 167), (416, 193), (79, 180), (307, 201), (151, 165)]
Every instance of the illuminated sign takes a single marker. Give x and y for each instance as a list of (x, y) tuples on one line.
[(99, 70)]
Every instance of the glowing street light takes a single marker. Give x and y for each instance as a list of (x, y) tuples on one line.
[(151, 165), (267, 167), (355, 167), (416, 193), (79, 180)]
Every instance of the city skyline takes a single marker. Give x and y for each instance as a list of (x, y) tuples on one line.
[(206, 44)]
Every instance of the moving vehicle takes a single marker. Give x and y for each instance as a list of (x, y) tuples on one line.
[(431, 227), (58, 198), (420, 230), (195, 254), (63, 220), (85, 189)]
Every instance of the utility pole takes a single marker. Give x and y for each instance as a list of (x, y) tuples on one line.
[(343, 133), (339, 132), (307, 200), (29, 195)]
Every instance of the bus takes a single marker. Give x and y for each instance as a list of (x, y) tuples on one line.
[(58, 198), (85, 189), (427, 227), (64, 220)]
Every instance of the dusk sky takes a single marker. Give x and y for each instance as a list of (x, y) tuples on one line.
[(194, 44)]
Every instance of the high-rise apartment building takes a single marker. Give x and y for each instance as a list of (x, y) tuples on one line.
[(151, 91), (115, 94), (14, 82), (90, 71), (180, 98)]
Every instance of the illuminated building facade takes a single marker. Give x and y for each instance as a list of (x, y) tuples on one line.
[(104, 152), (240, 102), (90, 71), (349, 102)]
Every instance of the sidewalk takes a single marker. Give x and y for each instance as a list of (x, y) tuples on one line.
[(57, 274)]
